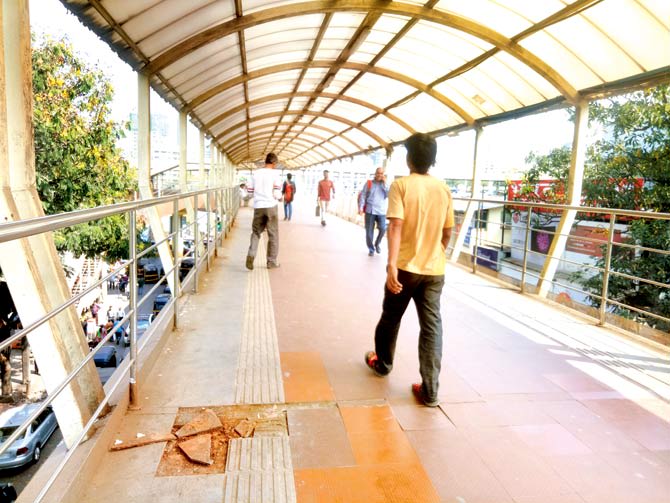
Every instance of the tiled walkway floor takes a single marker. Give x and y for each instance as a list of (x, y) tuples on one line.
[(537, 406)]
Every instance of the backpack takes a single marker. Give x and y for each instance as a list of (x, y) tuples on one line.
[(360, 196), (288, 192)]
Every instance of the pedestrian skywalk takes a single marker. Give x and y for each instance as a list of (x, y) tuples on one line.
[(537, 404)]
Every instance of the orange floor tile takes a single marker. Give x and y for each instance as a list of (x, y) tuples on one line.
[(369, 419), (305, 378), (397, 483)]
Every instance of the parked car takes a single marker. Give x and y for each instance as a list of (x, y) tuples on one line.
[(160, 301), (106, 357), (28, 447), (150, 273), (143, 322), (185, 267)]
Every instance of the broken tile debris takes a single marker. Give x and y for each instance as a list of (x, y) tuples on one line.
[(138, 441), (202, 423), (198, 449), (244, 428)]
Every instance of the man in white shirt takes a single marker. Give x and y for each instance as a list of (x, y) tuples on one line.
[(265, 185)]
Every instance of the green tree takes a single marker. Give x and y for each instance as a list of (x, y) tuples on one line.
[(77, 162), (629, 168)]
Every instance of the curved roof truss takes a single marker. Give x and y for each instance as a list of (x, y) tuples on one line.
[(382, 69)]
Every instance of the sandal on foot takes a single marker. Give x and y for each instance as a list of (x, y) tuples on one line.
[(418, 394)]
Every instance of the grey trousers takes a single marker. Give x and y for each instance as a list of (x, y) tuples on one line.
[(426, 292), (265, 219)]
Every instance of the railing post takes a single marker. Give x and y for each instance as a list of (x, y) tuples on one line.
[(606, 272), (217, 212), (477, 222), (209, 231), (226, 209), (134, 392), (195, 243), (525, 250), (176, 253)]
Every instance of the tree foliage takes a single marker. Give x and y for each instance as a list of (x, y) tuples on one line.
[(77, 162), (628, 168)]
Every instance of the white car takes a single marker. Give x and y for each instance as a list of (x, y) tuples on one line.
[(28, 447)]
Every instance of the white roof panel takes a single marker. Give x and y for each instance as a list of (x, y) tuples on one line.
[(456, 65)]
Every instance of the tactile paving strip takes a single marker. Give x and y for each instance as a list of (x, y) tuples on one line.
[(259, 378), (259, 470)]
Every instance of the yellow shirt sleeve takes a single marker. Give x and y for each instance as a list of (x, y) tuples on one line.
[(395, 208)]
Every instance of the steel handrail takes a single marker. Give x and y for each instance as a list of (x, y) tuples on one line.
[(613, 213), (29, 227), (580, 209)]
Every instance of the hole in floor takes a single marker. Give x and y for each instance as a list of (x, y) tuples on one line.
[(250, 420)]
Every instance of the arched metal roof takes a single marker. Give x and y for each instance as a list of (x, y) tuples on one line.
[(319, 80)]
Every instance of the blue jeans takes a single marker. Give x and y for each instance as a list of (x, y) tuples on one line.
[(426, 292), (288, 210), (370, 221)]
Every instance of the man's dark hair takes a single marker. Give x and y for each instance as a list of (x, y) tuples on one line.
[(421, 151), (271, 158), (289, 176)]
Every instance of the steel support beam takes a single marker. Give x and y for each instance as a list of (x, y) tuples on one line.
[(574, 196), (31, 266), (470, 210), (144, 173)]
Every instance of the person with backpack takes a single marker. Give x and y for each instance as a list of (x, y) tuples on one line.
[(288, 193), (373, 201)]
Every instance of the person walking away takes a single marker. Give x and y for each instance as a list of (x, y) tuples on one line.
[(373, 203), (265, 185), (288, 193), (420, 216), (324, 195)]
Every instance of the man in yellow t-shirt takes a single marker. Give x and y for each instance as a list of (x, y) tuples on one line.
[(421, 216)]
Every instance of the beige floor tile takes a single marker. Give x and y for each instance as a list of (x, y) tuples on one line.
[(318, 438)]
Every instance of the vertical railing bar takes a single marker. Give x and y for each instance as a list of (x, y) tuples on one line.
[(606, 272), (195, 243), (525, 250), (132, 240), (209, 230), (477, 223), (217, 212), (176, 253)]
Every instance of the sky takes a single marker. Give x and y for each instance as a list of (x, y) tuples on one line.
[(503, 149)]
